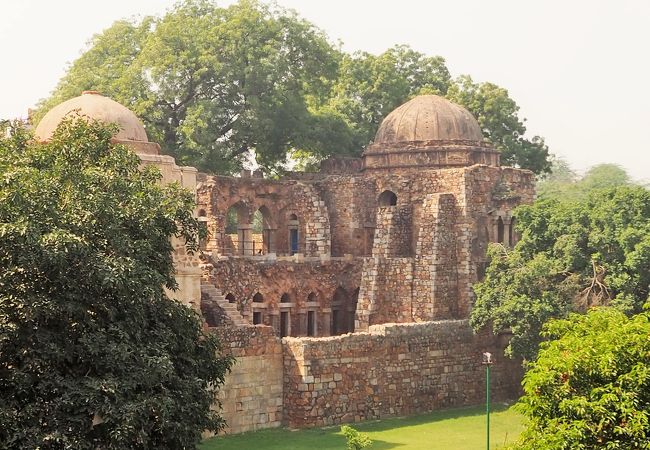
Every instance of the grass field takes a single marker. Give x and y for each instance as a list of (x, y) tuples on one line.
[(456, 429)]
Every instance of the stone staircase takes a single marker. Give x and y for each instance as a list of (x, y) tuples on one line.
[(217, 298)]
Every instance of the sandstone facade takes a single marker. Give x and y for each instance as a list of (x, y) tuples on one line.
[(344, 294)]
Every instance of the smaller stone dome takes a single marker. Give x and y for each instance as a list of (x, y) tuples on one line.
[(428, 118), (428, 132), (95, 106)]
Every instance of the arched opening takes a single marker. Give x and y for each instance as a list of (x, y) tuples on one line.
[(203, 223), (262, 231), (352, 310), (511, 232), (339, 324), (285, 317), (294, 242), (285, 329), (312, 324), (258, 316), (231, 298), (500, 230), (387, 198), (257, 241), (237, 230)]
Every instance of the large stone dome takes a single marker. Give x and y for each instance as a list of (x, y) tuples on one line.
[(95, 106), (428, 118), (428, 132)]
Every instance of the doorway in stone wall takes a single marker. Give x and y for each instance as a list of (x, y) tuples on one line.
[(257, 317), (387, 198), (284, 324), (293, 238), (293, 234), (311, 323), (263, 231), (342, 307), (352, 310), (500, 230), (237, 230), (336, 322)]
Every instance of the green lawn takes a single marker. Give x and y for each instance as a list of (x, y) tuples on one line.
[(455, 429)]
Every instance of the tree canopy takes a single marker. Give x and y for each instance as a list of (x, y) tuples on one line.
[(563, 182), (573, 254), (590, 385), (369, 87), (498, 116), (93, 354), (213, 84)]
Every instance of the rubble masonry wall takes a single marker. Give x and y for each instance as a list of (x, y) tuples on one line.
[(392, 370)]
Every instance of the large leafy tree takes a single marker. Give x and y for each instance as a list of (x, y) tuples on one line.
[(558, 182), (573, 254), (93, 354), (213, 84), (590, 386), (369, 87), (563, 182), (498, 116)]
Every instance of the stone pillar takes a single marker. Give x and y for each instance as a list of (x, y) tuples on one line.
[(494, 236), (245, 241), (271, 235), (506, 231), (325, 323), (301, 320), (435, 284), (274, 321)]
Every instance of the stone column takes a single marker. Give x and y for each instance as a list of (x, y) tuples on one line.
[(244, 237), (325, 323), (301, 320), (506, 231), (274, 321)]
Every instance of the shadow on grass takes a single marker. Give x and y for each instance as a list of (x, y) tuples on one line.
[(428, 418), (283, 439), (330, 438)]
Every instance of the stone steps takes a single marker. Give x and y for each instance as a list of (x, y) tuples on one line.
[(218, 298)]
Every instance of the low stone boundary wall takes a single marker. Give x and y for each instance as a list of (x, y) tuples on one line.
[(251, 397), (391, 370)]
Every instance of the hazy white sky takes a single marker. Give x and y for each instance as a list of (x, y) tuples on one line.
[(579, 69)]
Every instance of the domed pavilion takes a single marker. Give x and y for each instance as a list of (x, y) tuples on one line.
[(429, 131), (94, 106)]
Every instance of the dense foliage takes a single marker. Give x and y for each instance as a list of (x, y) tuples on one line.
[(213, 84), (93, 354), (573, 254), (564, 183), (590, 385), (354, 439)]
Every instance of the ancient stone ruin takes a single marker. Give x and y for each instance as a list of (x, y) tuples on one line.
[(344, 294)]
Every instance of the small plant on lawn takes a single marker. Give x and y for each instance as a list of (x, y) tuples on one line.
[(356, 440)]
